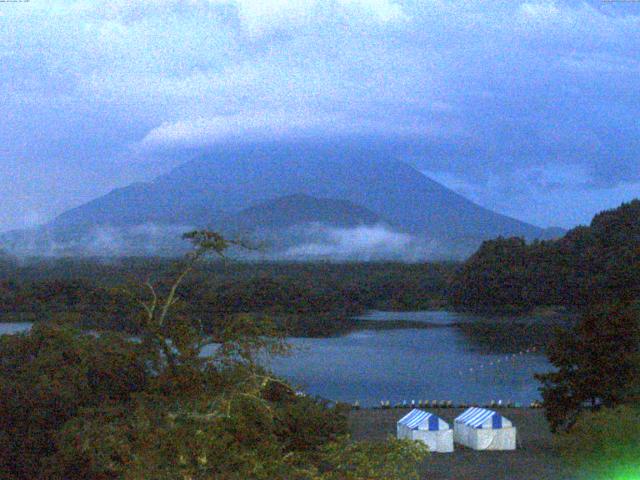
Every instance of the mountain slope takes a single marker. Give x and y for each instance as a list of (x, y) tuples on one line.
[(323, 198), (299, 209), (204, 191)]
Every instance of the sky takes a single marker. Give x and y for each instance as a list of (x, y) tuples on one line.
[(530, 108)]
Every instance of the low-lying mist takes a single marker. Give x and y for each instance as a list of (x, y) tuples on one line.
[(312, 241), (100, 241), (364, 242)]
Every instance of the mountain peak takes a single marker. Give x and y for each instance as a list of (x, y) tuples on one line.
[(277, 185)]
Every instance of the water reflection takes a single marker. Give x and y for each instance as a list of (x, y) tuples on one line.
[(452, 357)]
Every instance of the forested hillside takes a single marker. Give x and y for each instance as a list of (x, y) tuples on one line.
[(307, 298), (589, 265)]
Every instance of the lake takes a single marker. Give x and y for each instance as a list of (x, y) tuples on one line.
[(437, 363), (445, 359)]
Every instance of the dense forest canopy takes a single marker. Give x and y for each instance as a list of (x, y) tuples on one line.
[(589, 265), (307, 298), (594, 270)]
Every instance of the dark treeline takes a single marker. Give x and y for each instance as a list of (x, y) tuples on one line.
[(305, 298), (595, 271), (588, 266)]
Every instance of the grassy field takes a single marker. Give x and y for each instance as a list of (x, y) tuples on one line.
[(535, 458)]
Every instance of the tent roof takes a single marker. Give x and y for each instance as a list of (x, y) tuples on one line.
[(482, 418), (421, 420)]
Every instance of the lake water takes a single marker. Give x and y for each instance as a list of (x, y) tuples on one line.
[(439, 362)]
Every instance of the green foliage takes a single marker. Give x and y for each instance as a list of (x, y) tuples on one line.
[(7, 262), (47, 377), (391, 460), (192, 440), (604, 444), (589, 265), (315, 299), (81, 406), (597, 364), (495, 275), (240, 445), (594, 270)]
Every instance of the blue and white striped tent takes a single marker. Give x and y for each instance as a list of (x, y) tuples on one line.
[(421, 420), (483, 429), (482, 418), (428, 428)]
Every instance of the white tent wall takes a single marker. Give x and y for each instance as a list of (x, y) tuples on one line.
[(404, 432), (461, 434), (439, 442), (485, 439), (445, 441)]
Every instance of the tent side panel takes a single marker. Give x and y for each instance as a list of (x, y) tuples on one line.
[(428, 438), (461, 434), (440, 441), (485, 438), (507, 439), (489, 439), (445, 441)]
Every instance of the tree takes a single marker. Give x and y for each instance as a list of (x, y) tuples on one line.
[(588, 266), (48, 377), (597, 364), (162, 408), (7, 262), (495, 277), (604, 444)]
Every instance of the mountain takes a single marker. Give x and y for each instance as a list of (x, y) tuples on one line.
[(553, 233), (278, 186), (299, 209)]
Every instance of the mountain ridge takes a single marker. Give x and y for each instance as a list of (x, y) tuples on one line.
[(367, 185)]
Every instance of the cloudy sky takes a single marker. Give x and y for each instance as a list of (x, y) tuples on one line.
[(529, 108)]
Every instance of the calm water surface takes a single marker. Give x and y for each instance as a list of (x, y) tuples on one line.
[(439, 363)]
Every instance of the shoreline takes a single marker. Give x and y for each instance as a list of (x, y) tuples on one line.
[(536, 457)]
